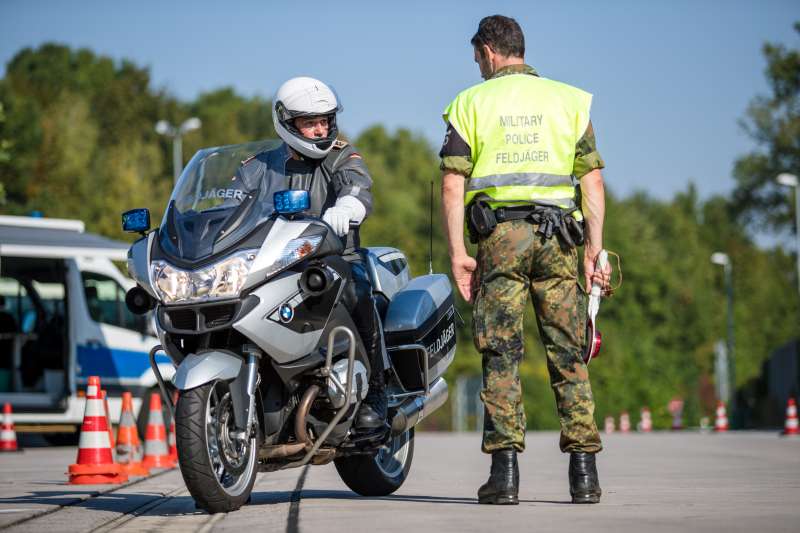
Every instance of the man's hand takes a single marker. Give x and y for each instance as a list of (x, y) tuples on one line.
[(592, 275), (463, 273), (338, 218)]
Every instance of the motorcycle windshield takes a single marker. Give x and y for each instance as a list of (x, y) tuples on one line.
[(214, 205)]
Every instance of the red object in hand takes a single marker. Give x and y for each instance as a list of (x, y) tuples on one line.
[(593, 344)]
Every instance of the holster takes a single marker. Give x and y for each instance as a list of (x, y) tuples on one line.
[(481, 220)]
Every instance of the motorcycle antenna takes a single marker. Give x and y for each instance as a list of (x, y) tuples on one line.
[(430, 233)]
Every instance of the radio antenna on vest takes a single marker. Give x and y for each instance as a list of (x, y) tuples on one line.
[(430, 234)]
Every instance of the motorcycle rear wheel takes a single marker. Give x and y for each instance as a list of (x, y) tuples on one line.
[(381, 473), (219, 471)]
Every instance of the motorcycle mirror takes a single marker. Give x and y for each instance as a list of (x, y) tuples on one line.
[(136, 220), (290, 202)]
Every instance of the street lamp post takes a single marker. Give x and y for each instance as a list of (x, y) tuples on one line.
[(724, 261), (790, 180), (165, 128)]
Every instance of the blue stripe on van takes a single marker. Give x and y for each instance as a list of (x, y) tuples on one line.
[(112, 362)]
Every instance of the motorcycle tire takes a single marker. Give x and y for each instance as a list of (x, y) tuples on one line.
[(215, 485), (381, 473)]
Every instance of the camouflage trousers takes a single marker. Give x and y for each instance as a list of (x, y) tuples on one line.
[(513, 261)]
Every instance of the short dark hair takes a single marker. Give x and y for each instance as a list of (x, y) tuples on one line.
[(501, 34)]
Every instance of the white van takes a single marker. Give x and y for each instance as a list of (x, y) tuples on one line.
[(62, 319)]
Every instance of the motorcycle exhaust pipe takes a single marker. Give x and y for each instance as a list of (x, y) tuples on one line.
[(414, 409)]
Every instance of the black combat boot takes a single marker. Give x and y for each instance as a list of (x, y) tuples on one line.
[(503, 485), (373, 411), (583, 483)]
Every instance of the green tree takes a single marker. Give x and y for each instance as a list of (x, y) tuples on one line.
[(772, 121)]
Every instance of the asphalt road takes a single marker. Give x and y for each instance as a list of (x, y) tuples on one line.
[(740, 481)]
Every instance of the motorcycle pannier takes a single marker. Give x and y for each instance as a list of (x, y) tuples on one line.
[(422, 314)]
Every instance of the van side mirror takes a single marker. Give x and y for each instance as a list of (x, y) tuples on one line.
[(136, 220)]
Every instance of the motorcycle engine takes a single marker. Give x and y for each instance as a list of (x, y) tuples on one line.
[(337, 382)]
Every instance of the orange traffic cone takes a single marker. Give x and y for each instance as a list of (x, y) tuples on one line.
[(609, 424), (108, 418), (156, 454), (129, 447), (624, 422), (95, 463), (173, 447), (790, 426), (8, 437), (646, 422), (721, 421)]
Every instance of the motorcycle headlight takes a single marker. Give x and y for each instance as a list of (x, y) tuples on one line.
[(220, 280), (294, 251)]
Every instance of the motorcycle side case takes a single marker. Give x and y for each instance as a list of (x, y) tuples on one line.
[(421, 313)]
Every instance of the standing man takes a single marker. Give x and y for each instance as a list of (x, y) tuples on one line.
[(514, 147)]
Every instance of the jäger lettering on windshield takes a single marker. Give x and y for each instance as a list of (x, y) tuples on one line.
[(223, 193)]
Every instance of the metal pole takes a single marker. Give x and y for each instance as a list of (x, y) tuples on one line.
[(731, 339), (177, 156), (797, 230)]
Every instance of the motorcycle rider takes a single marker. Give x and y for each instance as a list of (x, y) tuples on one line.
[(311, 157)]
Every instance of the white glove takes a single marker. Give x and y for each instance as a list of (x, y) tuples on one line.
[(339, 219), (346, 209)]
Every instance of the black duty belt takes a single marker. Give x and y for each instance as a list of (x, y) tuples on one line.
[(551, 220)]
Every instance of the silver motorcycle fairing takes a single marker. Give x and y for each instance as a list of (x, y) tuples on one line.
[(279, 236), (205, 367), (388, 270), (139, 263), (263, 326)]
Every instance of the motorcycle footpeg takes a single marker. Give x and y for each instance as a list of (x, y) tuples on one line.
[(376, 436)]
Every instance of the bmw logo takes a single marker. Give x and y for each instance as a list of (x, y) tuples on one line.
[(286, 313)]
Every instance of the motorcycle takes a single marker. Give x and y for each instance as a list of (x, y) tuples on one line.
[(247, 294)]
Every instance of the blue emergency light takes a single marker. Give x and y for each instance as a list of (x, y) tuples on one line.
[(136, 220), (291, 202)]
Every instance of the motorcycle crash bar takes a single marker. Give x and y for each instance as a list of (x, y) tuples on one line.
[(326, 370)]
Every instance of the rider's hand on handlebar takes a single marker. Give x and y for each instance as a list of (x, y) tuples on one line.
[(339, 219)]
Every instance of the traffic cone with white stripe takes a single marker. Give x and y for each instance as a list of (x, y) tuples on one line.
[(95, 463), (721, 420), (646, 422), (624, 422), (8, 437), (156, 454), (129, 447), (173, 446), (108, 419), (790, 427), (609, 425)]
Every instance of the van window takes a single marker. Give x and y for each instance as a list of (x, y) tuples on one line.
[(106, 300)]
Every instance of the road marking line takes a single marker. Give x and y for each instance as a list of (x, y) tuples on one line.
[(211, 523), (139, 511), (293, 520), (8, 511), (78, 501)]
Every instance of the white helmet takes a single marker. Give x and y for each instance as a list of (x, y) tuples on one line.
[(303, 97)]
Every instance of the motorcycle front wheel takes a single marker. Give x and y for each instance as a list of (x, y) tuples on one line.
[(381, 473), (219, 471)]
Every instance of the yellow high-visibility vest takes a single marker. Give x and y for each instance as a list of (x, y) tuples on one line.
[(522, 130)]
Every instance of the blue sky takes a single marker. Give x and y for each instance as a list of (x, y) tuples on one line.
[(670, 79)]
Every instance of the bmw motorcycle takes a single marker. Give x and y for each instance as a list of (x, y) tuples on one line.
[(270, 369)]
